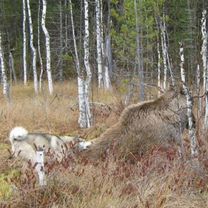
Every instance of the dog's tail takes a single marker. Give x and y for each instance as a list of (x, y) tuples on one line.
[(17, 133)]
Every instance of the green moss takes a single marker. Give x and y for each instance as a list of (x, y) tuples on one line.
[(6, 188)]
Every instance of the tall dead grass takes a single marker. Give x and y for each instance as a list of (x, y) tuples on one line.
[(157, 180), (45, 113)]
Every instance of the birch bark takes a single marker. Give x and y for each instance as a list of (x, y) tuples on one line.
[(105, 51), (39, 49), (48, 50), (84, 110), (166, 60), (12, 69), (66, 25), (205, 67), (24, 42), (198, 78), (139, 56), (3, 71), (108, 50), (86, 122), (107, 62), (204, 47), (99, 43), (61, 42), (77, 62), (35, 76), (164, 56), (165, 36), (158, 66), (192, 132)]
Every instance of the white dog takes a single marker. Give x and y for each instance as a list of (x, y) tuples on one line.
[(25, 144)]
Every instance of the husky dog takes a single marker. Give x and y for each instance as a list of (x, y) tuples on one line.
[(25, 144)]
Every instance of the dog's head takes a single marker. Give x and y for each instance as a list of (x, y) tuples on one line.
[(17, 133)]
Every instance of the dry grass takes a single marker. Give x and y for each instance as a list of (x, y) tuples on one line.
[(157, 180), (44, 113)]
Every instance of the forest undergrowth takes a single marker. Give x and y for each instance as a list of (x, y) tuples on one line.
[(158, 179)]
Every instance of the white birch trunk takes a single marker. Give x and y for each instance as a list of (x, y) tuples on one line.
[(108, 41), (192, 132), (3, 71), (66, 25), (198, 78), (74, 40), (164, 56), (35, 76), (24, 43), (139, 56), (106, 55), (61, 42), (158, 66), (107, 63), (166, 52), (39, 49), (84, 118), (99, 43), (12, 69), (102, 31), (107, 82), (205, 67), (48, 50), (204, 48), (85, 122)]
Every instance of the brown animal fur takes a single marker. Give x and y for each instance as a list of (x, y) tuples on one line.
[(142, 126)]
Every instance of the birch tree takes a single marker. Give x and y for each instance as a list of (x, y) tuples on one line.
[(166, 60), (158, 66), (204, 48), (83, 86), (48, 50), (35, 76), (86, 117), (105, 50), (205, 66), (61, 42), (3, 72), (24, 42), (11, 67), (66, 24), (39, 49), (108, 50), (198, 78), (139, 56), (99, 43), (163, 43), (192, 132), (107, 81), (77, 62)]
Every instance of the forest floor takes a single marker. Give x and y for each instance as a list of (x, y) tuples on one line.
[(157, 180)]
